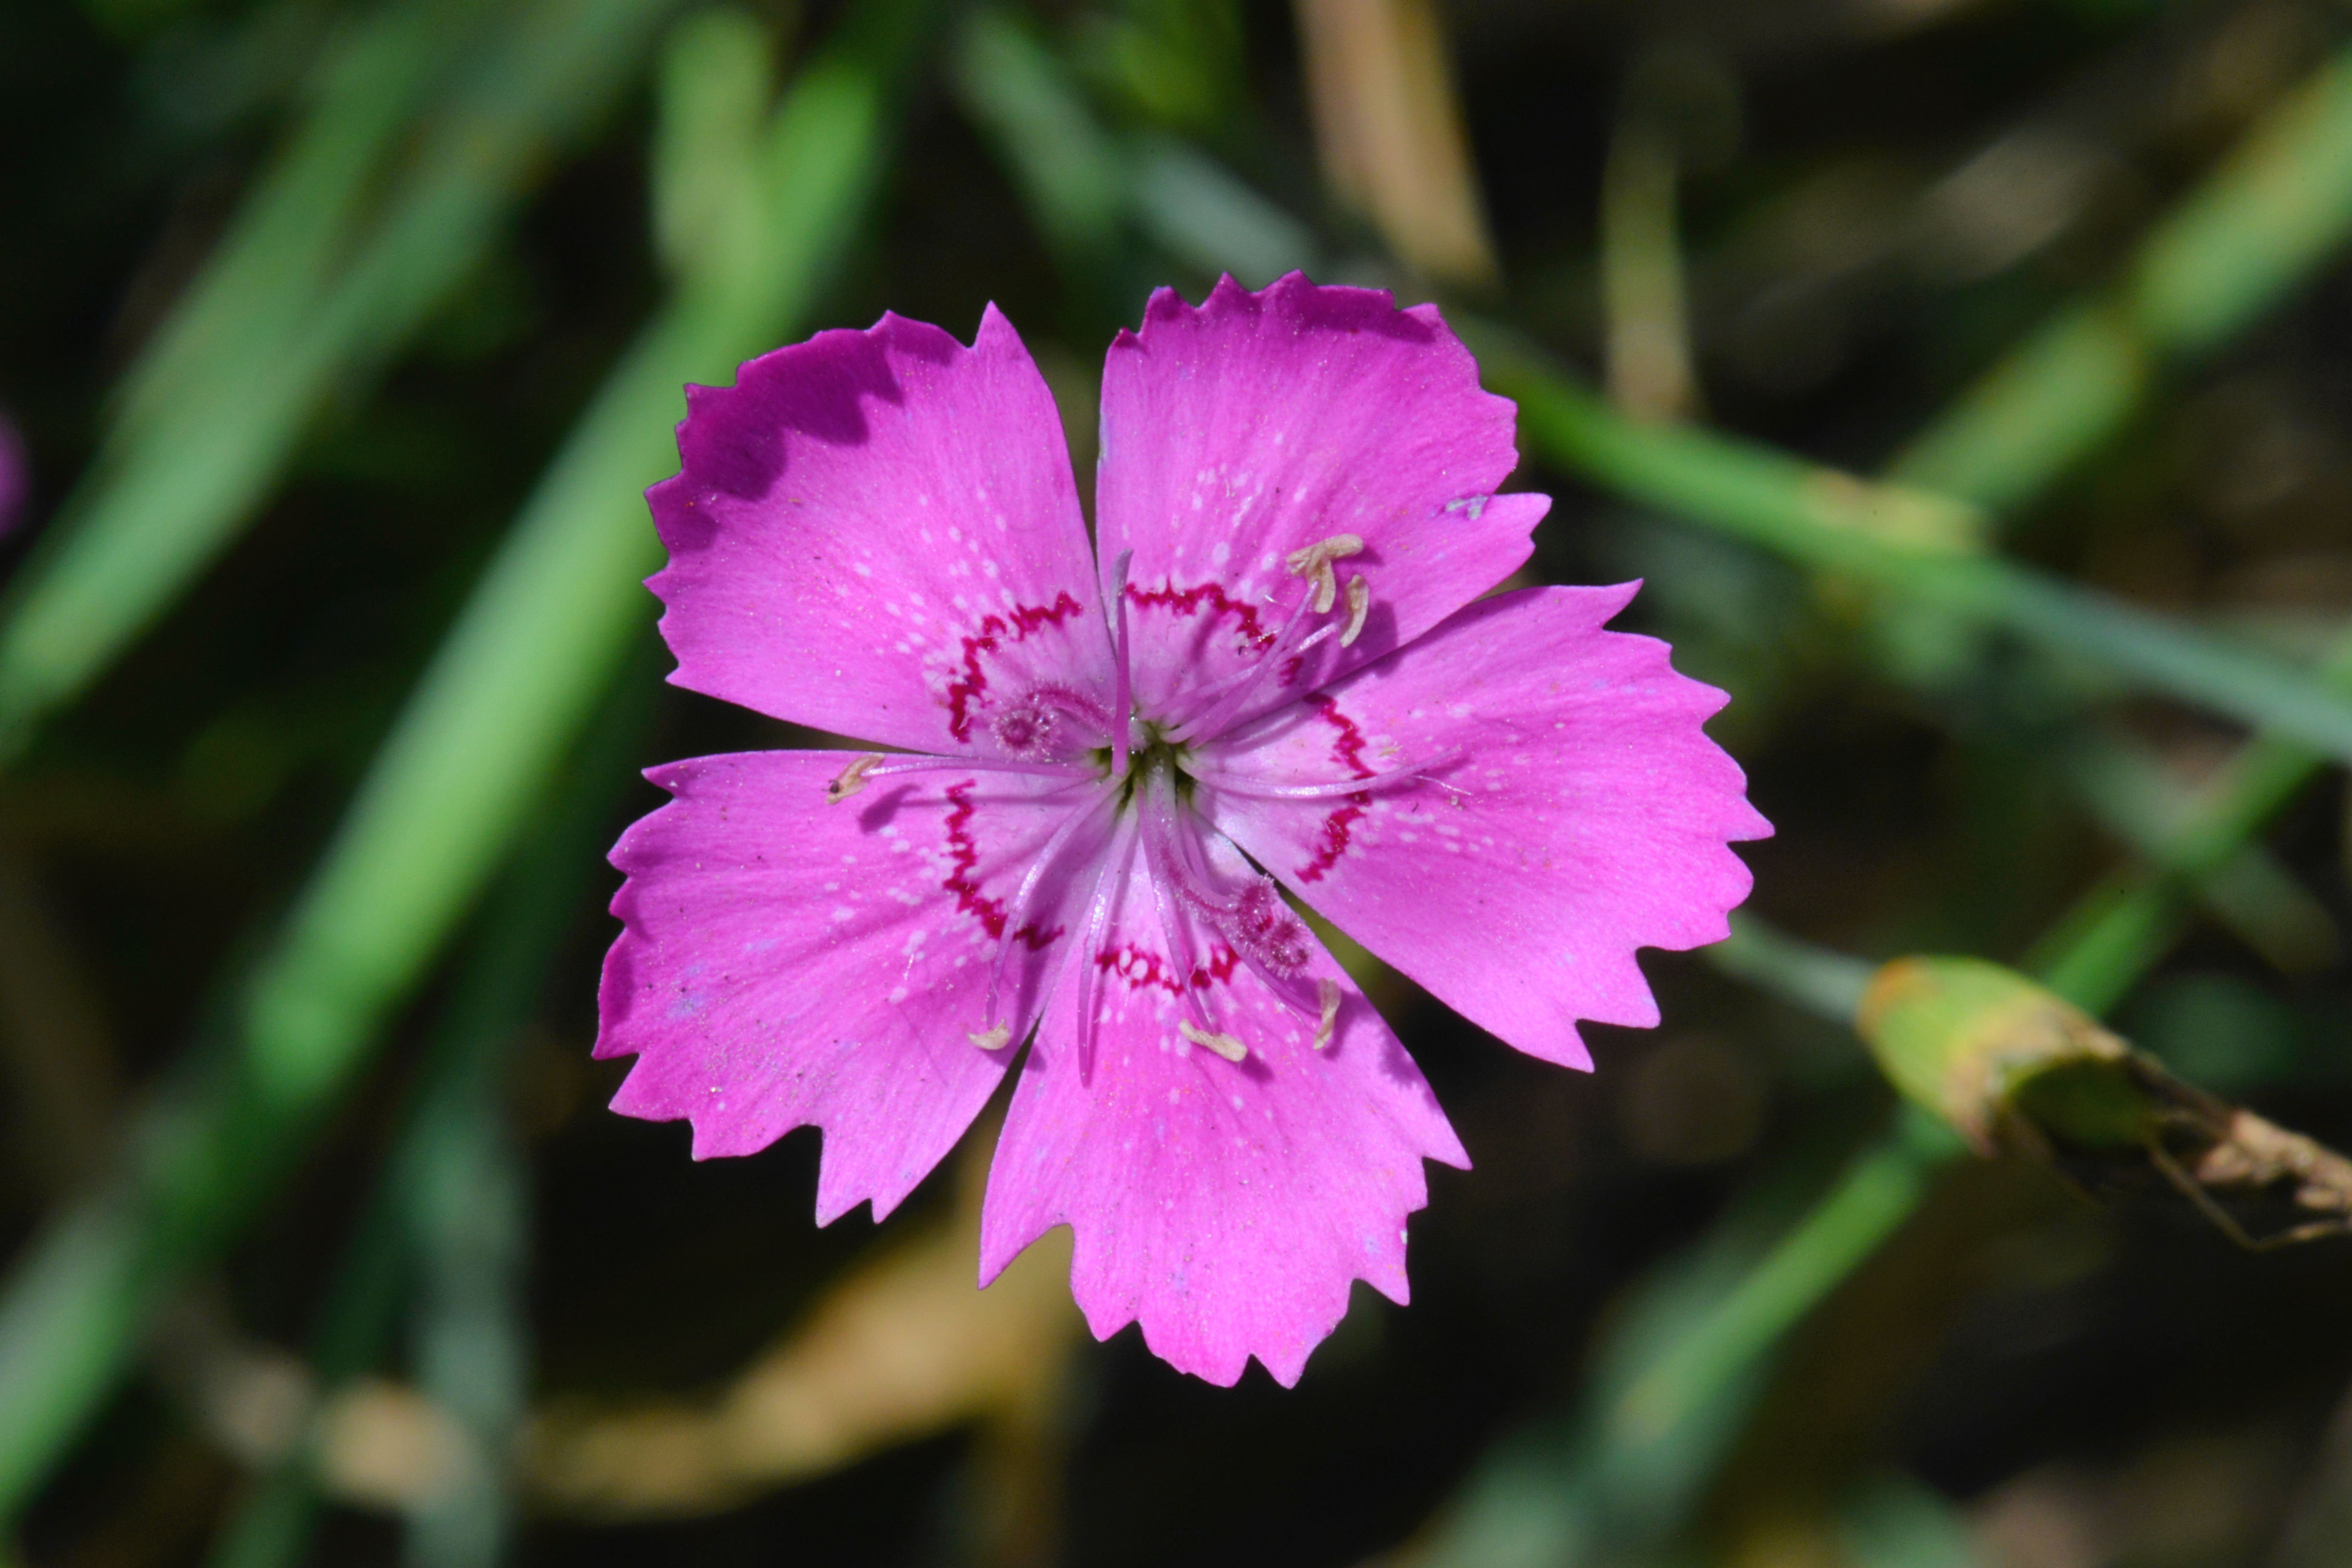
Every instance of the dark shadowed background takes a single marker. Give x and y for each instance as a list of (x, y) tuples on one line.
[(1967, 378)]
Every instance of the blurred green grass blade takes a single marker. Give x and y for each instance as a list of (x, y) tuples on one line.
[(1196, 211), (715, 89), (460, 1090), (468, 1215), (482, 735), (456, 1104), (1654, 1421), (1609, 1481), (460, 1180), (1893, 1521), (209, 433), (2119, 931), (2136, 798), (2277, 208), (2051, 402), (363, 97), (1084, 184), (1887, 539), (271, 1524), (1070, 170)]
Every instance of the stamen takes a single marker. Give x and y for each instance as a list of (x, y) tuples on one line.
[(851, 779), (1327, 992), (1314, 561), (1235, 784), (1359, 605), (1108, 881), (1122, 688), (1213, 718), (1016, 914), (993, 1040), (1163, 848), (885, 767), (1226, 1046), (1263, 932)]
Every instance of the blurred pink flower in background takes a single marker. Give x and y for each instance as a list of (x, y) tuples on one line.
[(16, 475), (1276, 673)]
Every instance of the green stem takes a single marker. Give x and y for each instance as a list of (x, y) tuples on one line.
[(1817, 979), (1904, 542), (1870, 1201)]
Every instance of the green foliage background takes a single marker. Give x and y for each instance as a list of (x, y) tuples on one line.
[(2006, 485)]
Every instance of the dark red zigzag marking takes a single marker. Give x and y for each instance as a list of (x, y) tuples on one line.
[(1347, 746), (1026, 618), (1140, 967), (1188, 602), (965, 853)]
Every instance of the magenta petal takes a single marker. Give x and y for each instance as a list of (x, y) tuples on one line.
[(1228, 1206), (788, 963), (876, 533), (1577, 811), (1256, 425)]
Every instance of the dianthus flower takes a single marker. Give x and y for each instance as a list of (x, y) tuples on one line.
[(1105, 765)]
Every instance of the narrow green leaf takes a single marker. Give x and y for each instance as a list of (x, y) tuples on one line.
[(401, 1236), (1886, 537), (1072, 172), (513, 682), (2255, 230), (716, 88), (369, 88), (208, 433)]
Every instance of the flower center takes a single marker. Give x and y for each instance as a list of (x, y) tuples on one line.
[(1145, 773)]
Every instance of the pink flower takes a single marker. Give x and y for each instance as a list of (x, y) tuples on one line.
[(1085, 824)]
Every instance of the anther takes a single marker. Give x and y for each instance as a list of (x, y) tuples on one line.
[(1314, 561), (993, 1040), (851, 779), (1359, 605), (1226, 1046), (1327, 991)]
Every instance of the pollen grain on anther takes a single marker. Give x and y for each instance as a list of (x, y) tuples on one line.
[(851, 779), (1327, 997), (1314, 562), (1226, 1046), (1360, 606)]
